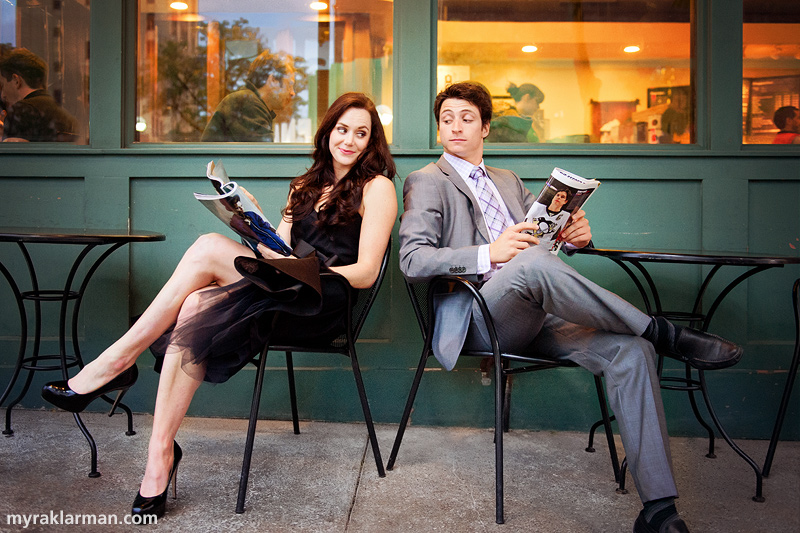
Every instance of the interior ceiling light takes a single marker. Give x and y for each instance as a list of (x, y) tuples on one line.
[(318, 6), (632, 49), (529, 48), (179, 5)]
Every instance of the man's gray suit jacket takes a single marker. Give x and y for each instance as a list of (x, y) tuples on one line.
[(441, 230)]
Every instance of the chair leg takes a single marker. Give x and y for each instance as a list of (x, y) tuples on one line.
[(412, 394), (373, 439), (498, 439), (292, 392), (251, 431), (612, 446), (507, 386)]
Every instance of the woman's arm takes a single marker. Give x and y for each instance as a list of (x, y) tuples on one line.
[(379, 212)]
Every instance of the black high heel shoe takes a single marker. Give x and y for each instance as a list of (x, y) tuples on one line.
[(157, 505), (59, 394)]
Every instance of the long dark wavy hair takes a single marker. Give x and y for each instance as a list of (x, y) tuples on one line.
[(344, 200)]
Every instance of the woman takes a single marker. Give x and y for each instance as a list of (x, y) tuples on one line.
[(521, 122), (200, 322)]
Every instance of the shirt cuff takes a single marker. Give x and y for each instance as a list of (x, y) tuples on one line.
[(484, 263)]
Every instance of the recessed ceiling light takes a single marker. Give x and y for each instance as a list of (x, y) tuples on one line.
[(529, 48), (179, 5), (632, 49), (318, 6)]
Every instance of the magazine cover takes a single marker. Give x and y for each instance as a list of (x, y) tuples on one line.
[(563, 194), (238, 212)]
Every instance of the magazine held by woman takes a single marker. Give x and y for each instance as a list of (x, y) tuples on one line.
[(239, 212)]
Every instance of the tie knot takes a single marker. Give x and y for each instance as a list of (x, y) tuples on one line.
[(476, 174)]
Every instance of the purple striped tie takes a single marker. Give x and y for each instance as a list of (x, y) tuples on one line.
[(489, 204)]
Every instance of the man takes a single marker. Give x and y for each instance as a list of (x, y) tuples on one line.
[(247, 115), (787, 119), (456, 224), (32, 114)]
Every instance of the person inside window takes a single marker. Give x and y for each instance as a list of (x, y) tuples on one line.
[(522, 122), (31, 115), (247, 115), (787, 119)]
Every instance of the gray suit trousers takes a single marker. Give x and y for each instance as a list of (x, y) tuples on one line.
[(537, 301)]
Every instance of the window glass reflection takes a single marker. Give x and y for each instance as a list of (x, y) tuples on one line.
[(574, 72), (257, 71), (44, 71), (771, 72)]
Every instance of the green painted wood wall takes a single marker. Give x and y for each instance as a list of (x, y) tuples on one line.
[(717, 194)]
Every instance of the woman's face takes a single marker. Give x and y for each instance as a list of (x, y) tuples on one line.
[(558, 201), (528, 106), (348, 139)]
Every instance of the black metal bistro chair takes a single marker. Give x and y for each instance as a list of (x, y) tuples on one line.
[(790, 378), (505, 366), (359, 303)]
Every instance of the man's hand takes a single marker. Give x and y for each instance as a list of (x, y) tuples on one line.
[(511, 242), (577, 233)]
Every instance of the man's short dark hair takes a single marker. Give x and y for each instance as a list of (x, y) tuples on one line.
[(27, 65), (783, 114), (471, 91)]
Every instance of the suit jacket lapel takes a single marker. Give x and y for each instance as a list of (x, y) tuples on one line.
[(477, 214)]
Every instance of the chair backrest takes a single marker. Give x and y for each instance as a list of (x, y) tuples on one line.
[(796, 301), (364, 298), (418, 293)]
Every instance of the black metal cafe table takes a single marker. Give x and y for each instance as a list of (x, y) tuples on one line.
[(88, 239), (634, 264)]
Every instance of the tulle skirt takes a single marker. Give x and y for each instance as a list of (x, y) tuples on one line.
[(233, 322)]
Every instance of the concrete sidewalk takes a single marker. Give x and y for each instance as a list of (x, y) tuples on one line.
[(325, 480)]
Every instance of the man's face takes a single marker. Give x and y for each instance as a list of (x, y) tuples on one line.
[(9, 90), (792, 124), (461, 131), (278, 95)]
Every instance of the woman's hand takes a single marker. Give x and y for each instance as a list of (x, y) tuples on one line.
[(269, 253), (252, 198)]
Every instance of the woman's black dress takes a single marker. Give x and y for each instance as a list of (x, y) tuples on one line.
[(233, 321)]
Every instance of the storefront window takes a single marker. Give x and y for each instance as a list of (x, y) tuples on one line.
[(575, 72), (266, 71), (44, 71), (771, 72)]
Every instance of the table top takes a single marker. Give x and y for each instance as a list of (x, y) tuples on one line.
[(702, 257), (76, 235)]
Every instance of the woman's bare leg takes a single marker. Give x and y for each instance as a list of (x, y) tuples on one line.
[(208, 261), (175, 392)]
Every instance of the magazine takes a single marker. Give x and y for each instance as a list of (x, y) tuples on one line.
[(239, 212), (563, 194)]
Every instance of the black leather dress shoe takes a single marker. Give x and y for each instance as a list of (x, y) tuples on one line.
[(704, 351), (673, 524)]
